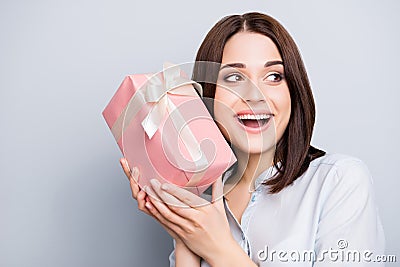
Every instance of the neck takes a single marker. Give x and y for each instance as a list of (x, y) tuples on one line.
[(250, 166)]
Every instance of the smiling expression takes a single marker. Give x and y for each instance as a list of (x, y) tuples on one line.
[(252, 100)]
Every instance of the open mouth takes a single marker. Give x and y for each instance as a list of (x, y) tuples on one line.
[(254, 120)]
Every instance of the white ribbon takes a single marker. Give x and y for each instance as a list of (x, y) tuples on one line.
[(156, 90)]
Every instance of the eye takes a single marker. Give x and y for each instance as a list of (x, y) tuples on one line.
[(274, 77), (234, 77)]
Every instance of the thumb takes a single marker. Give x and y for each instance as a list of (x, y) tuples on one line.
[(217, 192)]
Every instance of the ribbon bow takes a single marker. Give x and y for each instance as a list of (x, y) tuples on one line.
[(156, 91)]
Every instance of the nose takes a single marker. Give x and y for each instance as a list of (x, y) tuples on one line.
[(253, 94)]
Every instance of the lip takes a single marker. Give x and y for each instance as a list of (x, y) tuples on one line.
[(254, 112)]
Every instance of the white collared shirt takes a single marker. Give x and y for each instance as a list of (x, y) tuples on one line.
[(328, 216)]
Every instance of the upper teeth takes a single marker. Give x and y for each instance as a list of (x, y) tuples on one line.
[(254, 117)]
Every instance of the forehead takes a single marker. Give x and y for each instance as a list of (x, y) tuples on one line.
[(250, 47)]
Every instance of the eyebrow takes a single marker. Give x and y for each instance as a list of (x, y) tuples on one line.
[(242, 66)]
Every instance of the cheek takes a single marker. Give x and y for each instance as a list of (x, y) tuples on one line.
[(287, 104), (224, 102), (280, 99), (283, 105)]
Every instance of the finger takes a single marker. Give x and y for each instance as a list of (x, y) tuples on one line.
[(155, 214), (134, 173), (184, 196), (163, 214), (173, 203), (133, 184), (141, 200), (168, 199), (217, 194), (125, 167), (217, 190)]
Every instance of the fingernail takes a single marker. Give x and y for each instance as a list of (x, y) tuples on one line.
[(126, 164), (165, 187), (155, 183), (148, 205)]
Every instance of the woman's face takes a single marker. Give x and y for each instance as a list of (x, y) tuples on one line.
[(252, 100)]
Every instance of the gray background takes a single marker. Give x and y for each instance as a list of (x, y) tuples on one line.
[(64, 200)]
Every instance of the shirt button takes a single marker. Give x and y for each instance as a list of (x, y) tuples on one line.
[(243, 238)]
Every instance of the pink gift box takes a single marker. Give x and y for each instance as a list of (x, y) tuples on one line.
[(163, 127)]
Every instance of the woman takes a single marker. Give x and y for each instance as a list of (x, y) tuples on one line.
[(292, 204)]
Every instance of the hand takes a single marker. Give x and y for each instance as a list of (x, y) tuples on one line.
[(142, 198), (201, 225), (183, 255)]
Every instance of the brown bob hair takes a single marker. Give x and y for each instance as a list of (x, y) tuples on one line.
[(293, 151)]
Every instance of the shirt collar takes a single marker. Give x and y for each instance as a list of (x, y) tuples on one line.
[(265, 175)]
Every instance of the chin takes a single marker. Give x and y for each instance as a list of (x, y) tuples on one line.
[(255, 147)]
